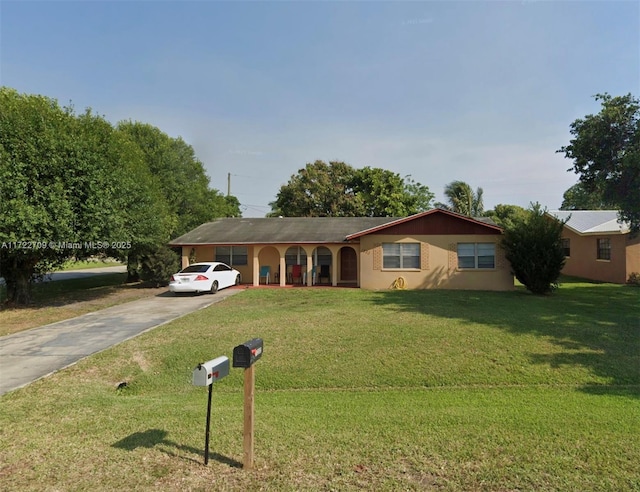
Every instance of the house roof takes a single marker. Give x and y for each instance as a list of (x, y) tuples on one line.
[(310, 230), (478, 221), (591, 221), (272, 230)]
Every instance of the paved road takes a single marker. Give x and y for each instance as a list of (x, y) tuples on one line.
[(39, 352), (88, 272)]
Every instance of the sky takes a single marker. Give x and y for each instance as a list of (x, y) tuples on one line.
[(478, 91)]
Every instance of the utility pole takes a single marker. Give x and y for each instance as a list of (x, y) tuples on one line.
[(228, 184)]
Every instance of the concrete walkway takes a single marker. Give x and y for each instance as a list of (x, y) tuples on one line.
[(39, 352)]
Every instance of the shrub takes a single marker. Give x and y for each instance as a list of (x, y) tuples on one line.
[(533, 246), (634, 279), (159, 265)]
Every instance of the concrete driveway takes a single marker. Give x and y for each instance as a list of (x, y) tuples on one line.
[(39, 352)]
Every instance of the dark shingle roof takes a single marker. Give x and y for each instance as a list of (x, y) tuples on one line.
[(278, 230)]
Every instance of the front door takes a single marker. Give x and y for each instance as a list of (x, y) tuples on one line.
[(348, 265)]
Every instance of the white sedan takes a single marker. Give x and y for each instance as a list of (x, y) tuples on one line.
[(204, 277)]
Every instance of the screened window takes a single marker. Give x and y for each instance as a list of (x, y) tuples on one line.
[(604, 249), (401, 255), (476, 255), (232, 255), (566, 246)]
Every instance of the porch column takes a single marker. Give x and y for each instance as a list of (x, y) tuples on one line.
[(185, 257), (309, 269), (256, 267), (283, 270), (335, 251)]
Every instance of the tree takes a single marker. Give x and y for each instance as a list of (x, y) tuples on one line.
[(382, 193), (318, 190), (463, 200), (578, 198), (70, 187), (605, 149), (506, 215), (533, 246), (181, 178), (181, 181), (339, 190)]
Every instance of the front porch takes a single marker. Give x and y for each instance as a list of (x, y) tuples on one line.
[(285, 264)]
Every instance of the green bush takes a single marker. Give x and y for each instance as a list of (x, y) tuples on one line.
[(159, 265), (533, 245)]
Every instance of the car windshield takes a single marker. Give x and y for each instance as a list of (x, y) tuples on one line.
[(195, 269)]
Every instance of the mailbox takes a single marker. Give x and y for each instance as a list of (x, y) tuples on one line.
[(248, 353), (208, 372)]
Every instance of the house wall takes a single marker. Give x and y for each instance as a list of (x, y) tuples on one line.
[(439, 264), (208, 253), (583, 261), (633, 256)]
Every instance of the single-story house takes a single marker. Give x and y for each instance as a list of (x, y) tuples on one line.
[(432, 249), (598, 246)]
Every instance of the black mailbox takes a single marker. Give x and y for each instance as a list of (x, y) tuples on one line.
[(248, 353)]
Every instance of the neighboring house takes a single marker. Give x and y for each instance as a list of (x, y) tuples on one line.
[(433, 249), (597, 246)]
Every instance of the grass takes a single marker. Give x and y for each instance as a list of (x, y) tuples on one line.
[(357, 390), (64, 299), (90, 263)]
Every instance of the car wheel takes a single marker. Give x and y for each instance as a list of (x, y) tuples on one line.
[(238, 280), (214, 287)]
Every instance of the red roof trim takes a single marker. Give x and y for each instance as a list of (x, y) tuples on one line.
[(417, 216)]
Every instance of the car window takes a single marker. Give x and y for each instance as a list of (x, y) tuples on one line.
[(221, 268), (195, 269)]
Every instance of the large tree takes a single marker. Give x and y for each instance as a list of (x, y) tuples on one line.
[(507, 216), (578, 198), (605, 149), (337, 189), (70, 187), (383, 193), (463, 200), (318, 190), (181, 180)]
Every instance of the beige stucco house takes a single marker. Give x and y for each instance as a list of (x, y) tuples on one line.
[(597, 246), (433, 249)]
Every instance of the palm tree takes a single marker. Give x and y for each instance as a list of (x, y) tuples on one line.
[(463, 200)]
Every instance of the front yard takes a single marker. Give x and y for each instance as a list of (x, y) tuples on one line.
[(357, 390)]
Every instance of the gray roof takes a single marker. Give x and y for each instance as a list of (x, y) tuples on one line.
[(274, 230), (592, 221)]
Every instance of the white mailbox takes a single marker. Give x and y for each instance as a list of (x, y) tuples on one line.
[(208, 372)]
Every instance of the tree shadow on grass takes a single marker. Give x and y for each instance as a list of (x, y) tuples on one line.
[(158, 438), (596, 326), (61, 293)]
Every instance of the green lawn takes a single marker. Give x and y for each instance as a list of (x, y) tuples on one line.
[(357, 390)]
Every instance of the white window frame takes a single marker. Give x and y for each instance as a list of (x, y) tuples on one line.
[(474, 251), (405, 256)]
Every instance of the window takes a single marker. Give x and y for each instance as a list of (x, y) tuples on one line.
[(401, 255), (476, 255), (566, 246), (604, 249), (295, 255), (232, 255)]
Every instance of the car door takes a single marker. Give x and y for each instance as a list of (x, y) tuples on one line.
[(224, 275)]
